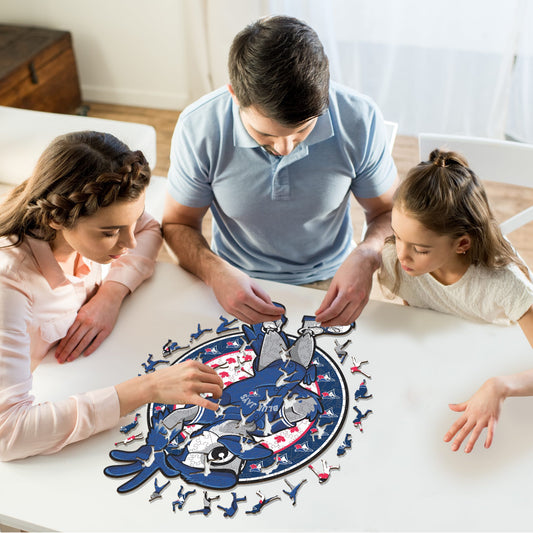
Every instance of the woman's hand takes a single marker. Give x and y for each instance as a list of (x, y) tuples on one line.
[(182, 383), (94, 322), (185, 383)]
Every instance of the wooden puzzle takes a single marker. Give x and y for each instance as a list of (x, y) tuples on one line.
[(285, 402)]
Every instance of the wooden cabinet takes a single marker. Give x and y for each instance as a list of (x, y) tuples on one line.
[(38, 69)]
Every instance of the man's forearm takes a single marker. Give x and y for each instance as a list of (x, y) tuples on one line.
[(376, 233), (192, 250)]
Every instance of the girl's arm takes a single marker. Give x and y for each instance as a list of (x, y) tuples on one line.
[(526, 323), (97, 317), (483, 409)]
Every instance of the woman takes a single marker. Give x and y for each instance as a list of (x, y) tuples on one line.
[(83, 207)]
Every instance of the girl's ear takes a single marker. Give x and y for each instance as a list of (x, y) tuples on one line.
[(55, 225), (463, 244)]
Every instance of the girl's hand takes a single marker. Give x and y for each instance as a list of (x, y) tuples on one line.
[(481, 411), (94, 322)]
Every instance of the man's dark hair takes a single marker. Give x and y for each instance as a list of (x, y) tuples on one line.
[(278, 65)]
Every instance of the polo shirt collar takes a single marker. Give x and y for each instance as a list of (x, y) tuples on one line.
[(48, 265), (323, 130)]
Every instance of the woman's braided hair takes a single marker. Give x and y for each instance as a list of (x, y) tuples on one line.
[(76, 175)]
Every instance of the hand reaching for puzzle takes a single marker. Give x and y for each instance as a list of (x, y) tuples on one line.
[(185, 383), (242, 297), (481, 411), (348, 293)]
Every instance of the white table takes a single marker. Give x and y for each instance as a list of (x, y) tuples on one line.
[(399, 475)]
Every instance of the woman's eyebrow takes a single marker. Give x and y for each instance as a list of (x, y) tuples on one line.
[(122, 226)]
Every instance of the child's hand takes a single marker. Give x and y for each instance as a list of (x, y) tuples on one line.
[(481, 411)]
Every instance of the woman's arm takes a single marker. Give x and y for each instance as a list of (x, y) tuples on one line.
[(176, 384), (27, 428), (98, 316)]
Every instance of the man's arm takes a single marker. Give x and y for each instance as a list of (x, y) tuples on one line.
[(350, 288), (236, 292)]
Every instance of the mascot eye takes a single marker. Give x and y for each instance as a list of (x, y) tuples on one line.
[(218, 454)]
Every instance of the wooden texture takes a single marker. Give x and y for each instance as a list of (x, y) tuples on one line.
[(38, 70), (505, 200)]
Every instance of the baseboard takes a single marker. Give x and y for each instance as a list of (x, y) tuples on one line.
[(130, 97)]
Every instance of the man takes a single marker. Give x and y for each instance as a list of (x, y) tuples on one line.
[(275, 155)]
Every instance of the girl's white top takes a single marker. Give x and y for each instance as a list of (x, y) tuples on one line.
[(497, 296)]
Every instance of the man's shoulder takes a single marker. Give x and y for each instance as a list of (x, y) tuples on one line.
[(343, 98), (213, 102)]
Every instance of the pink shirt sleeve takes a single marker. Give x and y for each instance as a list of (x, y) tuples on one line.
[(26, 428), (34, 295), (138, 264)]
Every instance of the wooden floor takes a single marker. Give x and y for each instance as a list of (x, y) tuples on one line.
[(505, 200)]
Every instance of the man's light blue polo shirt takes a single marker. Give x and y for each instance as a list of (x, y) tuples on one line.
[(284, 218)]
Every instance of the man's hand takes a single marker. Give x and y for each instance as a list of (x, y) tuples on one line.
[(349, 290), (242, 297), (94, 322), (236, 292)]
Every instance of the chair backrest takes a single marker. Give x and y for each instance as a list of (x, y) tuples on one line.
[(392, 130), (24, 134), (491, 159)]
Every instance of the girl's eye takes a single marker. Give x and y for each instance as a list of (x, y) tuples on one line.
[(110, 233), (420, 251)]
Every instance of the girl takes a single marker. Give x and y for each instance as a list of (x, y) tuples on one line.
[(447, 253), (82, 207)]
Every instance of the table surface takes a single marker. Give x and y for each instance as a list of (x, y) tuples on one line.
[(399, 474)]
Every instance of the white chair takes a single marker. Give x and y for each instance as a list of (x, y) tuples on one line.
[(24, 134), (492, 160), (391, 129)]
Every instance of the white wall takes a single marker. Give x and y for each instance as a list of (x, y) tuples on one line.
[(130, 52)]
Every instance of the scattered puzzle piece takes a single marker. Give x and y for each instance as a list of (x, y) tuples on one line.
[(232, 509), (326, 471), (195, 336), (206, 509), (362, 392), (345, 445), (158, 490), (127, 440), (357, 368), (182, 498), (293, 490), (262, 502), (150, 364), (360, 416), (128, 427), (225, 325)]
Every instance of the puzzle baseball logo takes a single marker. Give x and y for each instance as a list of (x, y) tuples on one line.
[(284, 402)]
